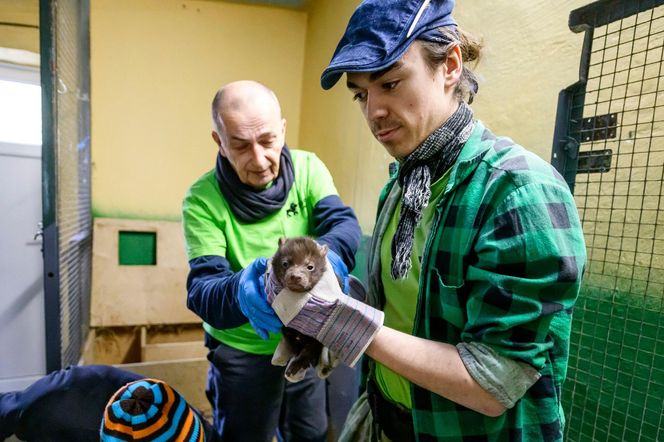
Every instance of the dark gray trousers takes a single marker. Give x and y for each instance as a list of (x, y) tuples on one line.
[(251, 399)]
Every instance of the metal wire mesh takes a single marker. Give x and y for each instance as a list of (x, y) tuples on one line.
[(615, 387), (73, 177)]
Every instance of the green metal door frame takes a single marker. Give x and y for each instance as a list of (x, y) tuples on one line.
[(50, 14)]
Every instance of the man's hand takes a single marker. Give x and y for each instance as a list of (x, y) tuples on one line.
[(341, 323), (253, 300)]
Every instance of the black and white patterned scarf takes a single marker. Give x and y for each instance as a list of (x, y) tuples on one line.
[(428, 162)]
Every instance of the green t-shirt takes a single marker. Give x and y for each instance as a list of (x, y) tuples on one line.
[(210, 228), (401, 295)]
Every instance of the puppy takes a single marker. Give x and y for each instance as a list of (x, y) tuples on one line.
[(298, 265)]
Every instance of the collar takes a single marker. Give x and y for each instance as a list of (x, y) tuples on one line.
[(480, 141)]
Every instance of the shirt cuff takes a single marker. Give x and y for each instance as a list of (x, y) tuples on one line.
[(506, 379)]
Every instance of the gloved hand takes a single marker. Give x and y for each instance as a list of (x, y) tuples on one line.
[(340, 269), (344, 325), (253, 300)]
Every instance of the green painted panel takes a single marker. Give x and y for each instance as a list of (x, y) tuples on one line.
[(137, 248)]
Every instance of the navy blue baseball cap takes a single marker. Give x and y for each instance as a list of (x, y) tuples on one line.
[(380, 32)]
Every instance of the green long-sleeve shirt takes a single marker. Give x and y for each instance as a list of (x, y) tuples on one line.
[(502, 267)]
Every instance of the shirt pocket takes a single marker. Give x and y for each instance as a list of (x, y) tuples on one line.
[(447, 302)]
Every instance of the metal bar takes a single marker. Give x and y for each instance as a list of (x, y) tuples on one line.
[(49, 186), (84, 148), (565, 149), (603, 12), (594, 161), (569, 119)]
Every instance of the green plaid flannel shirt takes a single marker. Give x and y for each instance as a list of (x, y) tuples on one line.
[(502, 266)]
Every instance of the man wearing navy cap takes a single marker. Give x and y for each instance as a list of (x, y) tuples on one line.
[(477, 253)]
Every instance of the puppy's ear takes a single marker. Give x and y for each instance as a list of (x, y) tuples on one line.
[(323, 249), (282, 241)]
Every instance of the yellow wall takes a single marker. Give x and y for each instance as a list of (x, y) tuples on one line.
[(21, 12), (530, 56), (156, 65), (332, 126)]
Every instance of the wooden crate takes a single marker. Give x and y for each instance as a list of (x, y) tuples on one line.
[(124, 295), (139, 319), (174, 354)]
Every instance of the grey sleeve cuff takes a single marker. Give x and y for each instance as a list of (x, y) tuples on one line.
[(506, 379)]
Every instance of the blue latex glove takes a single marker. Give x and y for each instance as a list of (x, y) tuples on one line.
[(339, 268), (253, 300)]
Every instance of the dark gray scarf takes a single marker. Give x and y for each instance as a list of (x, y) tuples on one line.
[(428, 162), (248, 204)]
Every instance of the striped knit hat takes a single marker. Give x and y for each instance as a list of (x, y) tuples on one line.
[(150, 410)]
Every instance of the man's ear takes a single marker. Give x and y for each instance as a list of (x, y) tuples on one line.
[(215, 137), (283, 131), (217, 141), (453, 67)]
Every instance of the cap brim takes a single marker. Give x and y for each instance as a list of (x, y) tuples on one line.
[(330, 78), (333, 73)]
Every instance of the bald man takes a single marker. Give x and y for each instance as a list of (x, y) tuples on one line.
[(233, 216)]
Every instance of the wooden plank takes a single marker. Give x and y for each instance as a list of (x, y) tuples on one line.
[(173, 350), (174, 333), (187, 376), (139, 295), (118, 346), (112, 346)]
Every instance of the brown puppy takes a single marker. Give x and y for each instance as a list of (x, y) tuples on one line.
[(298, 265)]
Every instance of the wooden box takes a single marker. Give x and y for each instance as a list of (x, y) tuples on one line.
[(138, 315)]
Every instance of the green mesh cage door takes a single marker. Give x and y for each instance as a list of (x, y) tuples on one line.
[(65, 68), (609, 146)]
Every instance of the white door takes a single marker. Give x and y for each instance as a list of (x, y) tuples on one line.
[(22, 335)]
